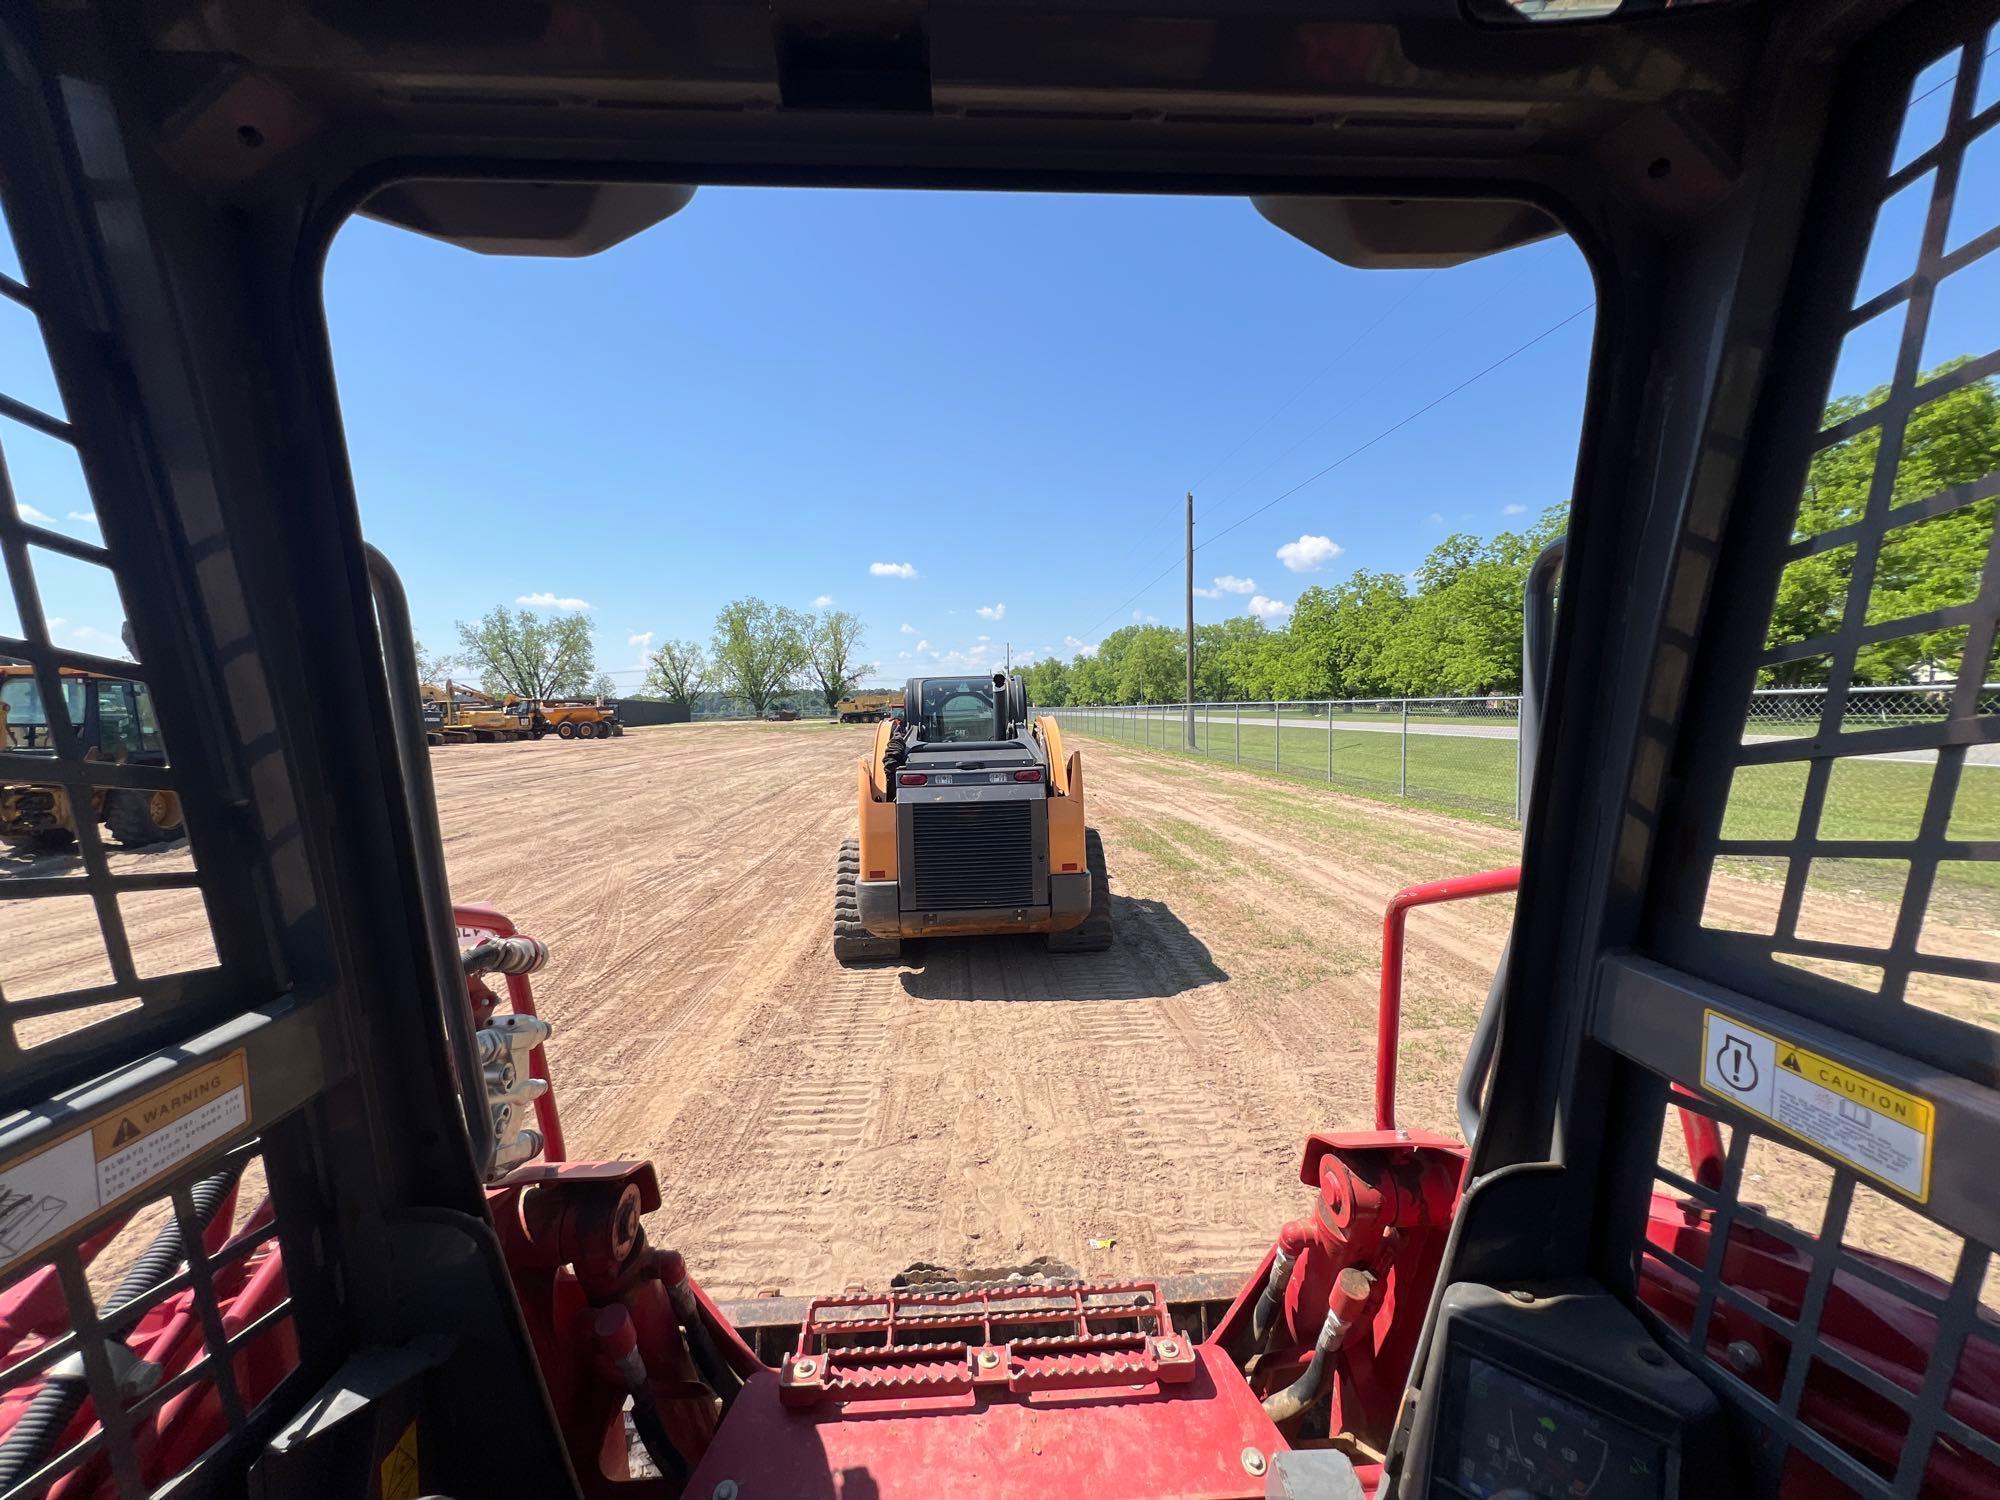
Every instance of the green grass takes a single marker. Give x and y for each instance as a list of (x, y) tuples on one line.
[(1444, 770), (1867, 798)]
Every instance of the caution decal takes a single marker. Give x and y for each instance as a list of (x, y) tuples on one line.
[(1877, 1129), (117, 1154)]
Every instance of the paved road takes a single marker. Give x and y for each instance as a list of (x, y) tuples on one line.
[(1978, 755)]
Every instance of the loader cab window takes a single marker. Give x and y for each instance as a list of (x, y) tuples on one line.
[(125, 720), (27, 720), (957, 709)]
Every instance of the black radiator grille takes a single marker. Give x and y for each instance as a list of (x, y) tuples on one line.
[(973, 854)]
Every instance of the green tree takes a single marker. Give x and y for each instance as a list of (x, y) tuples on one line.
[(832, 638), (604, 685), (436, 667), (1048, 682), (677, 672), (532, 656), (759, 651), (1922, 566)]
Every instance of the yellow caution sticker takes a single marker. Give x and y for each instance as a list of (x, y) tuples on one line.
[(1874, 1127), (399, 1469), (118, 1154)]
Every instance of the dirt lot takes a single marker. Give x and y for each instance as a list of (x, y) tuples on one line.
[(1136, 1111), (983, 1103)]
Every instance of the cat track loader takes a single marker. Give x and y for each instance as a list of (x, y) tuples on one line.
[(971, 824)]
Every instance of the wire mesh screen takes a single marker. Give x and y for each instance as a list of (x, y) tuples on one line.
[(1866, 818), (1859, 1338), (132, 1353), (99, 895)]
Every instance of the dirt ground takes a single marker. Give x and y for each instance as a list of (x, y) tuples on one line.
[(1139, 1111)]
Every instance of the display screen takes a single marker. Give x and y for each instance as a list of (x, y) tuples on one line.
[(1512, 1438)]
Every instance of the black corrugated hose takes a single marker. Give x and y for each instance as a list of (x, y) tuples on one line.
[(32, 1440)]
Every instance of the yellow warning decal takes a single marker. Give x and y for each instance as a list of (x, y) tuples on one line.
[(118, 1153), (1874, 1127), (399, 1469)]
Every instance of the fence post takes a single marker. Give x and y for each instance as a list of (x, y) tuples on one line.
[(1329, 741), (1277, 736), (1404, 789), (1519, 768), (1239, 734)]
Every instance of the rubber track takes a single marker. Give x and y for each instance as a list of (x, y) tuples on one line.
[(1096, 932), (853, 943)]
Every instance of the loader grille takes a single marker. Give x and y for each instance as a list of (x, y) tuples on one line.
[(973, 854)]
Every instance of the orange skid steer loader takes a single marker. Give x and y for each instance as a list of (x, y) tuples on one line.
[(971, 823)]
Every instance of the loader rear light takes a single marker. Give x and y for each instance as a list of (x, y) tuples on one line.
[(1068, 865), (911, 778), (1034, 775)]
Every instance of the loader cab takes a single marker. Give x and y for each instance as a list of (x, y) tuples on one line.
[(173, 174)]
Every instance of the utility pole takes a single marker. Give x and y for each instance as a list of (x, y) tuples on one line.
[(1189, 710), (1010, 658)]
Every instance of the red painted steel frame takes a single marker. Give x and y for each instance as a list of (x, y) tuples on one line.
[(1389, 1018)]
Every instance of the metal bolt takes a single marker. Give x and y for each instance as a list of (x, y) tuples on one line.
[(988, 1359), (805, 1369), (725, 1489), (1648, 1355), (1253, 1461), (1169, 1349), (1743, 1357)]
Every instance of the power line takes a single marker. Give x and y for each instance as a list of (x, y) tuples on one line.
[(1314, 379), (1354, 452), (1398, 426)]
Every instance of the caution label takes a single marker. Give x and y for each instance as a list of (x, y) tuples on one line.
[(1874, 1127), (119, 1153)]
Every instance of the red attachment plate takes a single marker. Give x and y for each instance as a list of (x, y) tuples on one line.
[(1015, 1336), (1130, 1441)]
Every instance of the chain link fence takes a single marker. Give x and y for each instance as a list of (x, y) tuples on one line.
[(1457, 752)]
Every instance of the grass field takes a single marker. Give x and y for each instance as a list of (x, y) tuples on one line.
[(1867, 798)]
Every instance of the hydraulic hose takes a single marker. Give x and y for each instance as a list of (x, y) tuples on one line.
[(1350, 1294), (508, 955), (716, 1371), (32, 1440), (1292, 1240)]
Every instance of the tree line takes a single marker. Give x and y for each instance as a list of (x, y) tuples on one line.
[(1453, 627), (759, 653)]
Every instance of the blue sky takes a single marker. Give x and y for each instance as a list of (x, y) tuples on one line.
[(787, 393)]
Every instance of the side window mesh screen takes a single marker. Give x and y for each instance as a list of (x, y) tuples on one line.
[(1859, 840), (1845, 873), (100, 900)]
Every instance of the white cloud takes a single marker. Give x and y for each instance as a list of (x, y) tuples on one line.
[(97, 642), (893, 570), (642, 640), (907, 628), (902, 656), (546, 600), (1145, 619), (1434, 519), (1202, 593), (923, 645), (822, 601), (1309, 553), (1267, 609), (84, 517), (982, 639), (32, 516), (1229, 583), (991, 611), (1513, 510), (1080, 647)]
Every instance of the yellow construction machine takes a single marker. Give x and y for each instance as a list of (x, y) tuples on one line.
[(868, 707), (971, 823), (114, 717), (568, 718)]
